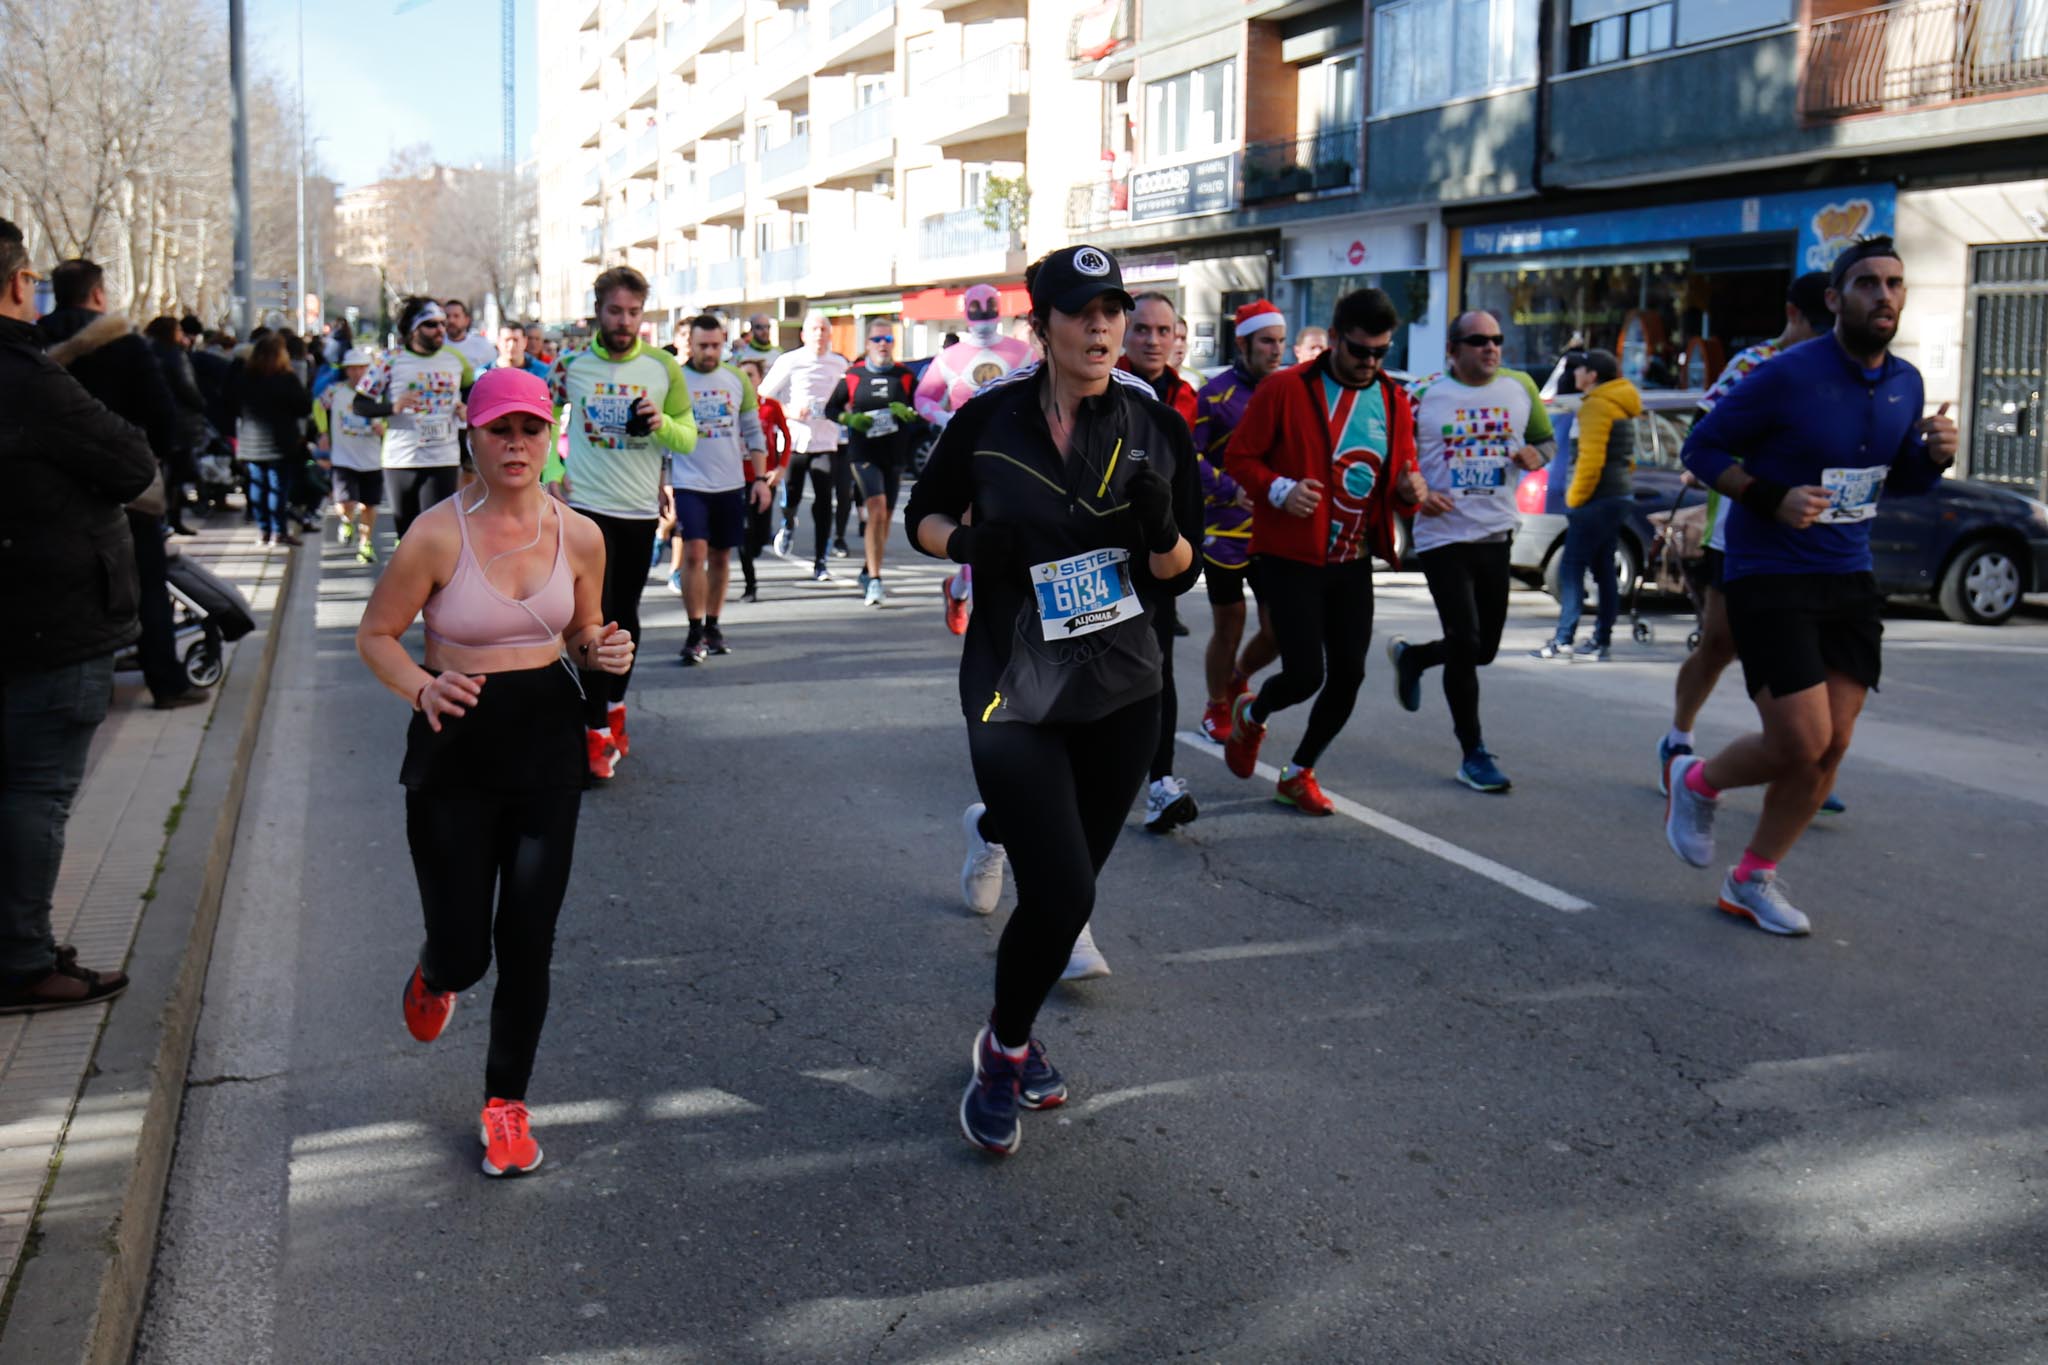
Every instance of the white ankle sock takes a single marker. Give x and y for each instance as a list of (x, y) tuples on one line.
[(1678, 736)]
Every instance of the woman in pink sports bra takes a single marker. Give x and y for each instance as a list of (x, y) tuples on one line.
[(508, 581)]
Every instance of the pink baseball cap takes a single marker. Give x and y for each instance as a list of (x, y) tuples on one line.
[(501, 391)]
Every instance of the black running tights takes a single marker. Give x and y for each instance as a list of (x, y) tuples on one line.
[(1163, 619), (470, 848), (1322, 621), (628, 545), (1059, 794), (818, 470), (414, 490), (1469, 583)]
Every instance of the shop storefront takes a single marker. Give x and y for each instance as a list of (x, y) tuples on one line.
[(1403, 255), (848, 317), (1673, 290), (1205, 281)]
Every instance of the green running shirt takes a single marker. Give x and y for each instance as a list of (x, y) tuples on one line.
[(610, 472)]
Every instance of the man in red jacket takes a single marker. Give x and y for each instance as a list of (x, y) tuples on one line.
[(1324, 450)]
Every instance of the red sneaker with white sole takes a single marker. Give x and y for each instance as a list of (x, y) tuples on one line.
[(604, 759), (616, 718), (1303, 792), (427, 1011), (1216, 722), (509, 1148), (956, 607), (1241, 750)]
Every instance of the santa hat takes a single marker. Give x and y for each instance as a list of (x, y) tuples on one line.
[(1258, 314)]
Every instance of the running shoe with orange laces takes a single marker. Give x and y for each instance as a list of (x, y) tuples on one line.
[(616, 719), (604, 758), (956, 607), (1241, 750), (427, 1011), (1216, 722), (1304, 793), (509, 1148)]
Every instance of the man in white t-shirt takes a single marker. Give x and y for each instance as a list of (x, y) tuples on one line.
[(420, 389), (802, 381), (1478, 425), (710, 485), (479, 350), (354, 448)]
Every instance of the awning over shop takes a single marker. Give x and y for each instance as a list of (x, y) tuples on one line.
[(867, 305), (939, 305)]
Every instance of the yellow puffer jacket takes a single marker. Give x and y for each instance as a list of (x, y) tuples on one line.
[(1607, 442)]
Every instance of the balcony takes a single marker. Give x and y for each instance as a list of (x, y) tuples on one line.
[(643, 76), (643, 154), (861, 144), (1101, 41), (784, 268), (722, 102), (679, 40), (593, 244), (585, 12), (726, 280), (615, 167), (725, 193), (678, 288), (720, 19), (642, 226), (960, 244), (589, 62), (786, 64), (982, 99), (593, 186), (1315, 163), (1100, 204), (857, 29), (786, 170), (1920, 53)]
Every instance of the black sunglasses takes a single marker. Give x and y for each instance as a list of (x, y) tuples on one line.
[(1359, 352), (1477, 339)]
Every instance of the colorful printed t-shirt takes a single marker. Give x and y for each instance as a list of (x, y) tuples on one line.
[(610, 471), (728, 419), (1466, 436), (424, 438), (1358, 452), (353, 442), (1738, 369)]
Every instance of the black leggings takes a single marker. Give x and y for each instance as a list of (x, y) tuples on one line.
[(802, 467), (471, 846), (413, 491), (628, 545), (753, 540), (1059, 795), (1163, 619), (1469, 582), (842, 489), (1322, 621)]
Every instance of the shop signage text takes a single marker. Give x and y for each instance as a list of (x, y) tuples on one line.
[(1206, 186), (1824, 221)]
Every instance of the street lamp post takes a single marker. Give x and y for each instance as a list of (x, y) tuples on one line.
[(299, 280)]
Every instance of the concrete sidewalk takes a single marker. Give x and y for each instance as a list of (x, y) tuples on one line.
[(143, 783)]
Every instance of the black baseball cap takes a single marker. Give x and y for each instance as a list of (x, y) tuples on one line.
[(1068, 278)]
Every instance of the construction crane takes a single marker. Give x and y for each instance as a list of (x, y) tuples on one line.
[(506, 94)]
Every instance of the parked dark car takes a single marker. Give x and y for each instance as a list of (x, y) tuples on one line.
[(1975, 548)]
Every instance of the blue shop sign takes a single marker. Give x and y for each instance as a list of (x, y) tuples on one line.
[(1824, 221)]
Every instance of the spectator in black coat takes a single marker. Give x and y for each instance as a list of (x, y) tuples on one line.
[(68, 464), (181, 470)]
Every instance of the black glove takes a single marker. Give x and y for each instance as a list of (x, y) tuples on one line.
[(639, 423), (989, 548), (1151, 499)]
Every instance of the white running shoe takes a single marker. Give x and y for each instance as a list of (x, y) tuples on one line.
[(981, 876), (1688, 816), (873, 593), (1086, 963), (782, 543), (1168, 805), (1762, 901)]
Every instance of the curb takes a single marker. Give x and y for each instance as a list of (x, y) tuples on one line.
[(81, 1292)]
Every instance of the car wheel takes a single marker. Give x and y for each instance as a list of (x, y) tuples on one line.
[(1628, 567), (1982, 585)]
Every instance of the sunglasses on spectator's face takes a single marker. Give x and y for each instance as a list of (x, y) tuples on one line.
[(1359, 352), (882, 339), (1479, 339)]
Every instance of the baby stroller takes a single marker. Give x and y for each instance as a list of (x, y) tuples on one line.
[(207, 612), (1678, 558)]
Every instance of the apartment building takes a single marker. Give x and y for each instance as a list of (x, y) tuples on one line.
[(749, 156)]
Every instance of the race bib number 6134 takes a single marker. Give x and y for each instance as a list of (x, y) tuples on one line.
[(1084, 593)]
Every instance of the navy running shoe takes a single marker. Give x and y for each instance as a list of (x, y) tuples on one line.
[(1040, 1086), (988, 1111), (1482, 774), (1407, 681), (1833, 805), (1666, 751)]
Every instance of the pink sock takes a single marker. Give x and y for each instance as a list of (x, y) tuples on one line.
[(1696, 779), (1751, 865)]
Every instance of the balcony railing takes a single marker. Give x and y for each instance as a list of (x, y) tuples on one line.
[(872, 124), (726, 277), (1923, 52), (1098, 205), (790, 158), (593, 242), (730, 181), (677, 287), (787, 265), (848, 15), (718, 13), (1284, 167), (644, 151), (962, 232), (644, 223)]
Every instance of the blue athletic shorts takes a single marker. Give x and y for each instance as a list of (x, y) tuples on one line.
[(720, 518)]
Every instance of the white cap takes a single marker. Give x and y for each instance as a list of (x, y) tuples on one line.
[(358, 355)]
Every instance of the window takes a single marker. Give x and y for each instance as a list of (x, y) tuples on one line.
[(1331, 93), (1618, 37), (1428, 51), (764, 236), (799, 228), (974, 184), (1191, 113), (764, 138), (799, 125)]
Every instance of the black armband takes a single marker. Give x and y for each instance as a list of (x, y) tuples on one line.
[(1762, 497)]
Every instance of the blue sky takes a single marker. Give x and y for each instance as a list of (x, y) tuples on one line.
[(378, 81)]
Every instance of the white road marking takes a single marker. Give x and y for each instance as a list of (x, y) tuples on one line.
[(705, 1103), (1522, 884), (1964, 647)]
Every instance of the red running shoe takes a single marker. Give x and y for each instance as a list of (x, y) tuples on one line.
[(1304, 793), (426, 1011), (956, 607), (1216, 721), (616, 717), (509, 1148), (604, 759), (1239, 684), (1241, 750)]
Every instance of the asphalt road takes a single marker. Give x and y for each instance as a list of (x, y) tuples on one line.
[(1358, 1090)]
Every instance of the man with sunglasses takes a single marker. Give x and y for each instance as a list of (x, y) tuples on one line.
[(1327, 451), (419, 389), (1476, 426), (873, 403)]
